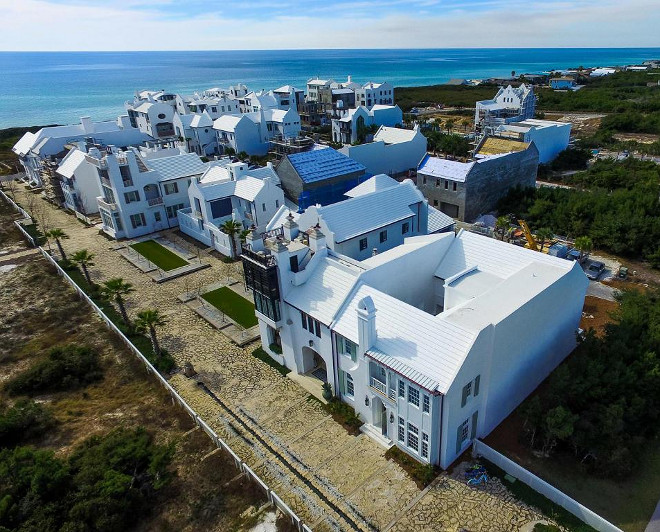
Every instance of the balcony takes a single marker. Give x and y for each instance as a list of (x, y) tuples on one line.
[(379, 386), (103, 204), (154, 202)]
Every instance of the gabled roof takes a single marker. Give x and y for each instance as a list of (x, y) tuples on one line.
[(394, 135), (24, 144), (227, 122), (445, 169), (377, 182), (287, 89), (365, 213), (438, 220), (177, 166), (317, 165), (71, 162), (202, 120)]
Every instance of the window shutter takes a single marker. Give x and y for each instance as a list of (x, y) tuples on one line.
[(465, 394), (476, 385), (473, 432), (342, 382), (458, 440)]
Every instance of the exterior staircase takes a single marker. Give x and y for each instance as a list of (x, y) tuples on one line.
[(376, 434)]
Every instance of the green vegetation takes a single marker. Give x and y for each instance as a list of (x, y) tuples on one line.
[(448, 143), (616, 205), (568, 159), (603, 404), (422, 474), (103, 485), (230, 303), (344, 414), (147, 321), (23, 422), (265, 357), (162, 257), (448, 95), (540, 527), (66, 368), (532, 497), (232, 228)]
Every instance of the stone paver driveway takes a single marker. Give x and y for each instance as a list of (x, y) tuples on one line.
[(349, 471)]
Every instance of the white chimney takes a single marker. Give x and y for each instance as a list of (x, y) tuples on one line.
[(254, 241), (290, 227), (88, 126), (316, 238), (366, 312)]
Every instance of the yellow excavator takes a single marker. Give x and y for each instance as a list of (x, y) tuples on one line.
[(531, 241)]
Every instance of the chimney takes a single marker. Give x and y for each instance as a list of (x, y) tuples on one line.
[(290, 226), (349, 79), (374, 252), (316, 239), (366, 312), (88, 126), (253, 240)]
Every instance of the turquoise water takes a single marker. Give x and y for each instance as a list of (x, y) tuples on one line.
[(60, 87)]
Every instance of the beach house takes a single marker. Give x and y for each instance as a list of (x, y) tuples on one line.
[(510, 104), (352, 125)]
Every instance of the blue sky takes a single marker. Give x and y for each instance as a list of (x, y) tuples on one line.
[(288, 24)]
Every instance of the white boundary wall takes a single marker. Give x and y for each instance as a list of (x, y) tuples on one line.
[(219, 442), (479, 448)]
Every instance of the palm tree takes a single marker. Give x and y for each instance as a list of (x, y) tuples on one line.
[(542, 235), (242, 236), (148, 320), (84, 259), (502, 225), (449, 124), (232, 228), (116, 289), (584, 245), (58, 235)]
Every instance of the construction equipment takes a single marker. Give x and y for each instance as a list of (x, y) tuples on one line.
[(531, 241)]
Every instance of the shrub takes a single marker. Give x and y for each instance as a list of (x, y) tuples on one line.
[(422, 474), (23, 421), (344, 414), (66, 368), (265, 357)]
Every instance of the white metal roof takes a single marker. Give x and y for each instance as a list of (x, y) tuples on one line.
[(394, 135), (201, 120), (356, 216), (24, 144), (227, 122), (71, 162), (444, 168), (184, 165), (377, 182), (438, 220)]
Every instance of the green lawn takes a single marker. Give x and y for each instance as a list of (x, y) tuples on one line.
[(230, 303), (159, 255)]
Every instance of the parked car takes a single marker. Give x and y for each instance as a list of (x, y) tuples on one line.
[(594, 269)]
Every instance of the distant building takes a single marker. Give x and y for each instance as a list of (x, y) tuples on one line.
[(548, 136), (457, 81), (600, 72), (464, 190), (351, 125), (313, 87), (230, 191), (80, 182), (562, 83), (152, 112), (318, 176), (509, 105), (394, 151), (371, 94)]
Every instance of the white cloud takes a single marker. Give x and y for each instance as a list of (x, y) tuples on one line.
[(145, 25)]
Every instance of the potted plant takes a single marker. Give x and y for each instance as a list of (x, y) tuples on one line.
[(327, 391)]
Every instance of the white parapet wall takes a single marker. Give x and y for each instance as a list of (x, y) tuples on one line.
[(591, 518)]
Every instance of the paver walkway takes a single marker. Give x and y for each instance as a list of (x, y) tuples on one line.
[(269, 420)]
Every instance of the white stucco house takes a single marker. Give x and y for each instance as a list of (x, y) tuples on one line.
[(379, 214), (80, 182), (393, 151), (510, 104), (195, 132), (153, 113), (433, 342), (374, 94), (550, 137), (347, 129), (230, 191)]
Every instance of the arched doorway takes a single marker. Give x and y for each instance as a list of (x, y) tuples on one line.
[(379, 415), (313, 364)]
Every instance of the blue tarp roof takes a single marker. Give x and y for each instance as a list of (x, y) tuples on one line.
[(317, 165)]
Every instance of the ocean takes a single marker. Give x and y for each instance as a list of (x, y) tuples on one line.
[(39, 88)]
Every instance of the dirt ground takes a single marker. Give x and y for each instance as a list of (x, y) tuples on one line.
[(642, 138), (583, 124), (596, 313), (40, 312)]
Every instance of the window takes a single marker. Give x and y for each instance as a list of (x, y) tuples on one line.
[(424, 180), (171, 188), (402, 430), (454, 186), (383, 236), (263, 207), (464, 430), (310, 324), (405, 228), (157, 216), (426, 405), (437, 183), (402, 388), (413, 437), (471, 389), (161, 116), (363, 244), (346, 347), (446, 185), (413, 396), (350, 389), (138, 220), (435, 202), (318, 328), (130, 197), (277, 204), (425, 445), (125, 172), (171, 210)]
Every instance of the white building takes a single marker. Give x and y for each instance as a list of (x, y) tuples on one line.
[(549, 137), (433, 342), (49, 143), (195, 133), (349, 128), (141, 192), (230, 191), (509, 105), (393, 151), (152, 112), (80, 182), (313, 86), (377, 216), (251, 132), (374, 94)]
